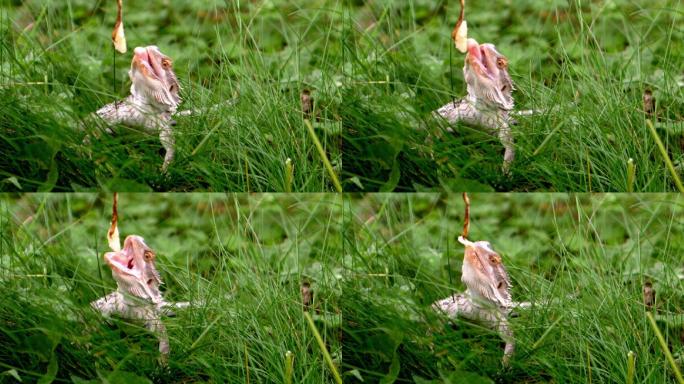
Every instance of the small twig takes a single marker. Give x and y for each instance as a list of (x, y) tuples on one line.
[(118, 35), (113, 232), (459, 22), (99, 267), (114, 71), (466, 221), (451, 283)]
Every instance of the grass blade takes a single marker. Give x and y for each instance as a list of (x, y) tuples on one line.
[(289, 366), (324, 350), (666, 350), (204, 332), (630, 367), (324, 158), (546, 333), (631, 172), (289, 175), (666, 157)]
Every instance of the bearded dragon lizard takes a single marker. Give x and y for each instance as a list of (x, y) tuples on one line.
[(154, 98), (489, 101), (137, 296), (488, 296)]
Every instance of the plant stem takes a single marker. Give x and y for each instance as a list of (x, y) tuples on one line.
[(324, 350), (324, 158), (666, 350), (666, 157), (630, 367)]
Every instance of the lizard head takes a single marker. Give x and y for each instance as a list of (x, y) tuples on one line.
[(484, 273), (153, 78), (134, 270), (486, 75)]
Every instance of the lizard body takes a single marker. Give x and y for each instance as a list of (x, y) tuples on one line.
[(153, 100), (137, 296), (489, 99), (487, 299)]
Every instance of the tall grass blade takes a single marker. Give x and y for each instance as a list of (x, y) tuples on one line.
[(631, 172), (666, 350), (324, 157), (546, 333), (289, 366), (630, 367), (289, 175), (324, 350), (666, 157)]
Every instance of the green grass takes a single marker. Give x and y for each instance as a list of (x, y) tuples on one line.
[(587, 256), (584, 64), (57, 66), (243, 256)]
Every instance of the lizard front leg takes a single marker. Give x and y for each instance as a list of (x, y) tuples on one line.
[(166, 308), (114, 304), (507, 336), (157, 327), (167, 141), (461, 305), (506, 138)]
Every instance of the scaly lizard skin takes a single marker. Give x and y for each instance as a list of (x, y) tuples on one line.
[(153, 100), (137, 296), (489, 101), (488, 297)]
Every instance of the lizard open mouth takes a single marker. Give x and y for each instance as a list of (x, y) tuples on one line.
[(122, 262), (150, 61), (133, 260), (484, 59)]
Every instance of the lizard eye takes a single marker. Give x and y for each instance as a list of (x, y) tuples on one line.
[(502, 63), (503, 89), (172, 88), (148, 255), (149, 281), (497, 287), (166, 63)]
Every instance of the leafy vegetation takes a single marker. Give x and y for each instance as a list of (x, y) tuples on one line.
[(242, 257), (582, 259), (585, 65), (252, 59)]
